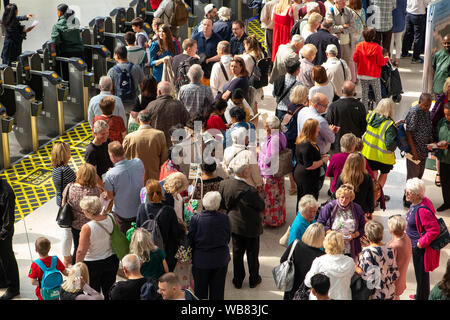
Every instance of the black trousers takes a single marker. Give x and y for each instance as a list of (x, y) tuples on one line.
[(269, 41), (414, 32), (422, 277), (445, 182), (250, 246), (9, 271), (102, 274), (210, 281), (384, 39), (76, 241)]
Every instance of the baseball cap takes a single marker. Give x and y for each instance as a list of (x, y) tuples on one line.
[(331, 48), (209, 7)]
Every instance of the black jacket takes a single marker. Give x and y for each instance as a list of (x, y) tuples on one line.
[(350, 115), (244, 207), (15, 34), (364, 195), (303, 257), (321, 39), (7, 208)]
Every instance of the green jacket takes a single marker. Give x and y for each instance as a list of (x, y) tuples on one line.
[(436, 294), (443, 134), (391, 132), (66, 40)]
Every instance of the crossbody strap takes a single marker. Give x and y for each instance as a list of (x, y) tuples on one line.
[(343, 69), (101, 226), (292, 249), (418, 217), (287, 91), (224, 71)]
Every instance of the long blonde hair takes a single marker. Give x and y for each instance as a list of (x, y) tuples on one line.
[(354, 170), (282, 6), (78, 270), (141, 244)]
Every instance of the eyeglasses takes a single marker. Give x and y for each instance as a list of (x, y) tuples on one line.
[(323, 105)]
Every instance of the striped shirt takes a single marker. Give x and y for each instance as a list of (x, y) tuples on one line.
[(62, 176)]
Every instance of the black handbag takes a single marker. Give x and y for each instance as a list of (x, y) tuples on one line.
[(359, 288), (65, 214), (302, 293), (443, 238)]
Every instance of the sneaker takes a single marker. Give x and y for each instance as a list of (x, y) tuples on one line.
[(258, 281), (406, 56), (416, 61), (443, 207)]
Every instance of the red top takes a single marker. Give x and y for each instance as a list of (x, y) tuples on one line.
[(116, 126), (155, 4), (369, 59), (37, 273), (282, 26), (215, 122)]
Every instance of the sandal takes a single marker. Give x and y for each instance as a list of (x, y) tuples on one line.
[(437, 181)]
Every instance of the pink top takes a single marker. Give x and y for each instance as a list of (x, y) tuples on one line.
[(336, 165), (402, 251)]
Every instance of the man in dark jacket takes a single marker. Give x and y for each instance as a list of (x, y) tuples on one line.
[(348, 113), (321, 39), (244, 206), (9, 271), (237, 41)]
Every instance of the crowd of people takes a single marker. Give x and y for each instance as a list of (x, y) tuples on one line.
[(178, 166)]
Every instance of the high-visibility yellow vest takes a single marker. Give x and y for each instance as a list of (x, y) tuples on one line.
[(374, 142)]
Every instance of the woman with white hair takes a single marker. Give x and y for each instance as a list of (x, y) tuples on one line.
[(306, 250), (244, 206), (422, 228), (334, 264), (379, 140), (223, 26), (308, 53), (76, 286), (268, 160), (307, 209), (209, 235)]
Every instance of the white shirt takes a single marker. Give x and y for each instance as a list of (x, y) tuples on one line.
[(335, 73), (417, 6), (99, 241), (164, 11), (306, 33), (327, 90), (217, 79)]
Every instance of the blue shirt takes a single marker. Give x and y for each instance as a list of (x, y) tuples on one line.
[(125, 180), (298, 228), (237, 45), (207, 46), (158, 70)]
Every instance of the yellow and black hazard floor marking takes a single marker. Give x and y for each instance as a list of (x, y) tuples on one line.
[(254, 27), (31, 177)]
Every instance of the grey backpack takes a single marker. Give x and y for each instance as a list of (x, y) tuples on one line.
[(151, 225)]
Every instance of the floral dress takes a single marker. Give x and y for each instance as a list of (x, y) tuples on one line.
[(380, 271), (344, 223)]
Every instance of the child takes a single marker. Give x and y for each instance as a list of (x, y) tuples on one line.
[(238, 100), (320, 284), (117, 130), (36, 274), (137, 24), (153, 258), (136, 55)]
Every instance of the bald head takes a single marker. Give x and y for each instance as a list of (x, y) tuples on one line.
[(164, 88), (319, 102), (348, 89)]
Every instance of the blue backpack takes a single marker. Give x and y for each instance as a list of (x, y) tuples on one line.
[(51, 281), (402, 141), (124, 84)]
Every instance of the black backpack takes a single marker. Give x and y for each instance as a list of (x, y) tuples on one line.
[(149, 290), (260, 74), (296, 27), (181, 73), (124, 84)]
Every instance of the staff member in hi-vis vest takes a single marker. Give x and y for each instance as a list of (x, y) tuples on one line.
[(379, 140)]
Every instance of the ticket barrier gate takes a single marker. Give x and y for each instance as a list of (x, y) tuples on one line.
[(49, 88), (6, 125), (80, 80), (97, 56), (27, 110), (121, 20), (142, 11), (105, 36), (148, 11)]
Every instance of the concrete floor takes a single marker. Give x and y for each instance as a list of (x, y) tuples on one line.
[(42, 221)]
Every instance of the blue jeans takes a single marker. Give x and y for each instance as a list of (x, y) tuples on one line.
[(414, 32)]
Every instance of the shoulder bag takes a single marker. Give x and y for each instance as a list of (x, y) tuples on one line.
[(193, 206), (284, 240), (65, 214), (443, 238), (283, 274), (119, 241)]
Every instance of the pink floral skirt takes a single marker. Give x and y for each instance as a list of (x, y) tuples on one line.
[(275, 198)]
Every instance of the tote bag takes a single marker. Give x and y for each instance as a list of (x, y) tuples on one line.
[(283, 274), (119, 242)]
